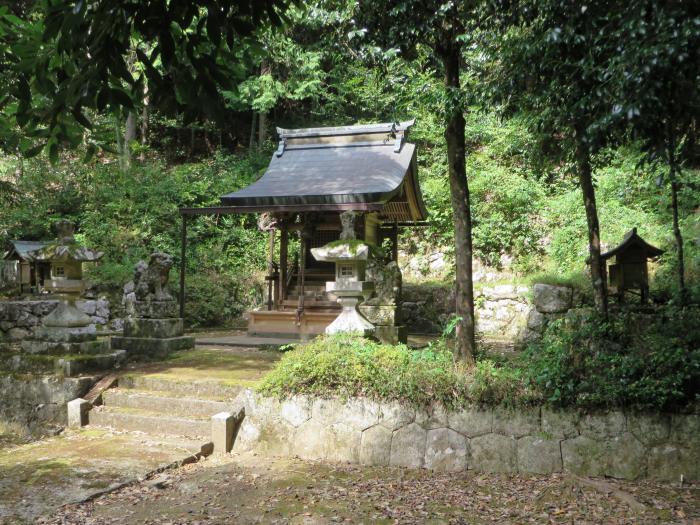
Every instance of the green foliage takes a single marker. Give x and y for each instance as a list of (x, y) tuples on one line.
[(352, 366), (633, 360)]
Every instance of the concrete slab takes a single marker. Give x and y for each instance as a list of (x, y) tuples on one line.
[(238, 340)]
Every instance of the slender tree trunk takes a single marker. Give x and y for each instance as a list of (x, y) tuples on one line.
[(144, 120), (129, 136), (461, 213), (675, 187), (262, 128), (585, 178), (253, 119)]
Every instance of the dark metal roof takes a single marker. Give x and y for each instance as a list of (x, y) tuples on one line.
[(19, 249), (632, 239), (329, 174)]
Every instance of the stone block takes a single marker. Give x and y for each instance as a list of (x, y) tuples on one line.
[(152, 346), (375, 446), (539, 456), (584, 455), (494, 453), (311, 440), (17, 334), (408, 446), (603, 424), (395, 415), (155, 309), (391, 335), (559, 423), (685, 430), (159, 328), (380, 314), (65, 334), (536, 321), (650, 429), (516, 423), (626, 457), (222, 427), (326, 411), (360, 413), (665, 462), (78, 412), (437, 417), (551, 299), (343, 443), (296, 410), (446, 450), (471, 422)]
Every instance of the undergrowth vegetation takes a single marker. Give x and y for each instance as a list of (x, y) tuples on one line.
[(635, 361), (348, 366)]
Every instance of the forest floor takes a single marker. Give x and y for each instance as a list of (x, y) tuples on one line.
[(247, 489)]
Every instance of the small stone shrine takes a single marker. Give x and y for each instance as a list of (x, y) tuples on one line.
[(350, 287), (152, 326), (629, 272)]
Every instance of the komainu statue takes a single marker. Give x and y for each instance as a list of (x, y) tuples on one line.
[(387, 282), (151, 280)]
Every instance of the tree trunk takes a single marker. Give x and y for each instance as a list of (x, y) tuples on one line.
[(675, 187), (461, 213), (585, 178), (251, 142), (129, 136), (262, 129)]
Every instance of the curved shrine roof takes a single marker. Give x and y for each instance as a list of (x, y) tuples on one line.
[(340, 166)]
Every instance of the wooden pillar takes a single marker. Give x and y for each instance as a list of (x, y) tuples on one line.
[(395, 243), (271, 296), (183, 264), (284, 252)]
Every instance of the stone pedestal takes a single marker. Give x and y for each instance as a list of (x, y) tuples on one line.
[(69, 341), (153, 329)]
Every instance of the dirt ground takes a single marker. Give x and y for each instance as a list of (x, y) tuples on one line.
[(37, 478), (248, 489)]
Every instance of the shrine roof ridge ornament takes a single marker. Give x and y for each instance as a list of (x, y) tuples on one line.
[(360, 129)]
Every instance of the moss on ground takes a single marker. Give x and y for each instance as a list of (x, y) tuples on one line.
[(229, 367)]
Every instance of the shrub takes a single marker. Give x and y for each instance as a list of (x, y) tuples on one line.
[(351, 366), (633, 360)]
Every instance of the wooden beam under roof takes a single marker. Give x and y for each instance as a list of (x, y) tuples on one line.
[(292, 208)]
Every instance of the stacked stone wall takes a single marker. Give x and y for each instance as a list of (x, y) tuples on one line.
[(19, 319), (535, 440)]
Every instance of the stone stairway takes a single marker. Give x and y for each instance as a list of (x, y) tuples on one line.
[(163, 407)]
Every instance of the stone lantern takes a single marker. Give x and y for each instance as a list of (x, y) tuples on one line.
[(350, 257)]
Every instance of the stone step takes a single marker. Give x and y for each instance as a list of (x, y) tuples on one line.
[(130, 419), (68, 365), (163, 402), (209, 389)]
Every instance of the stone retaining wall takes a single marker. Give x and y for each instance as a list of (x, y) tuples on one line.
[(18, 319), (36, 402), (515, 312), (528, 441)]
